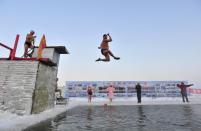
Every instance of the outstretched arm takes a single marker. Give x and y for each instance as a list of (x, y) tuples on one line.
[(189, 85)]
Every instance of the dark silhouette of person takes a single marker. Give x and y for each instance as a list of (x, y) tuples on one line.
[(138, 90), (183, 88)]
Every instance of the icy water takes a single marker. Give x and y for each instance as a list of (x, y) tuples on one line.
[(126, 118)]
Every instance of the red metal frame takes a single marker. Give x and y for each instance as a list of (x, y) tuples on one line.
[(5, 46), (13, 52), (32, 59), (12, 56)]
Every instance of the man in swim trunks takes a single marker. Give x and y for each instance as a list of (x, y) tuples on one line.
[(105, 49), (28, 43)]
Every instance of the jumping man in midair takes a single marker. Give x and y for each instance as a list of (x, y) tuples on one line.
[(105, 49)]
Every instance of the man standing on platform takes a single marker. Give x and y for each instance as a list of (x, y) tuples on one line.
[(29, 43)]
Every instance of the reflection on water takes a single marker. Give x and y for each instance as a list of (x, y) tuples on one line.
[(141, 119), (89, 118), (126, 118)]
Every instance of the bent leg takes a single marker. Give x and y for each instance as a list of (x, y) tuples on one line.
[(107, 57), (30, 53), (25, 50), (111, 54)]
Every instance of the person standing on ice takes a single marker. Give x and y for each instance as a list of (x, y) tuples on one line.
[(105, 49), (89, 93), (138, 90), (183, 88), (110, 91)]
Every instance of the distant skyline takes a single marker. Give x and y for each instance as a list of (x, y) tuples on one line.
[(156, 40)]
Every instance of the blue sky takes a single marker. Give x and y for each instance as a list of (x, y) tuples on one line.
[(156, 39)]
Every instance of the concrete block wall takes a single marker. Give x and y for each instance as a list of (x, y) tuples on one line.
[(26, 87), (50, 53), (44, 94), (17, 84)]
